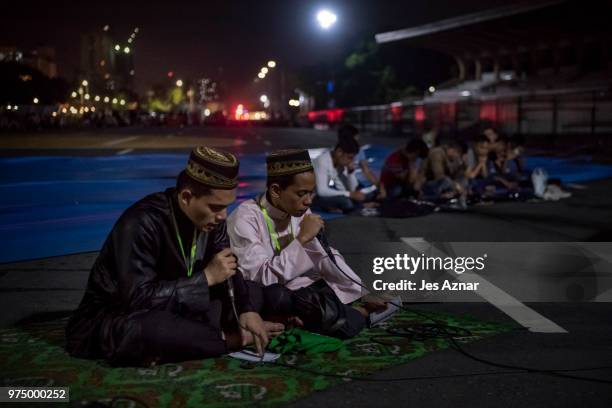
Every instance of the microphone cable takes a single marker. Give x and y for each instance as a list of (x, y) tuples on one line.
[(444, 329)]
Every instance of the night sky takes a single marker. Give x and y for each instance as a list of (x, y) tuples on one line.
[(199, 38)]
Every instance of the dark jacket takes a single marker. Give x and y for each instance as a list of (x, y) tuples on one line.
[(140, 267)]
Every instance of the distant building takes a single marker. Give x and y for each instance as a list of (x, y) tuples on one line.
[(40, 58), (107, 63)]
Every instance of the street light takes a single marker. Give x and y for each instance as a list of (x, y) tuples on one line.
[(263, 98), (261, 75), (326, 19), (271, 63), (264, 70), (126, 50), (35, 100), (84, 83), (179, 83)]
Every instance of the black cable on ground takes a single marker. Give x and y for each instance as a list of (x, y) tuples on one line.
[(444, 329)]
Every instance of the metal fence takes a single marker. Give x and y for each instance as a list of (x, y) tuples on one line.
[(538, 113)]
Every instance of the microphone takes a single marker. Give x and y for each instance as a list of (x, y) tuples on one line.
[(322, 238), (230, 288)]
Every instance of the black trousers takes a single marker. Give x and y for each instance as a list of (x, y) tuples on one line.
[(316, 305), (147, 336)]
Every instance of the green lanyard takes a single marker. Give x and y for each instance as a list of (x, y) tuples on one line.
[(271, 229), (194, 245)]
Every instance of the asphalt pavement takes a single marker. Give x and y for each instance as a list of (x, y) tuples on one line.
[(54, 286)]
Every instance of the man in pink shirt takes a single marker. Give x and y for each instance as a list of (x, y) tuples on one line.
[(274, 239)]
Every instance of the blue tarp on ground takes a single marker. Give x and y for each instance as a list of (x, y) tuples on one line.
[(58, 205)]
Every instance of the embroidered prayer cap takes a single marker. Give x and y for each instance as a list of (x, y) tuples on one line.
[(289, 161), (213, 168)]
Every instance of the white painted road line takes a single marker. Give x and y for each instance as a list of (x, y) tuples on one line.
[(119, 141), (518, 311), (124, 151)]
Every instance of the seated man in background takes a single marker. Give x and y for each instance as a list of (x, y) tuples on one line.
[(478, 168), (274, 238), (335, 179), (443, 171), (349, 132), (401, 175), (515, 155)]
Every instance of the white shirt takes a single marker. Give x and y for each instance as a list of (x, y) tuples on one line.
[(297, 265), (330, 183)]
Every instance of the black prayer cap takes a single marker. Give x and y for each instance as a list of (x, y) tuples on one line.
[(289, 161), (213, 168)]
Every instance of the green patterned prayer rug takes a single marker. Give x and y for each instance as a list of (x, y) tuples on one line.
[(32, 355)]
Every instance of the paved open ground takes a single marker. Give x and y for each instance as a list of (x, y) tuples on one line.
[(50, 286)]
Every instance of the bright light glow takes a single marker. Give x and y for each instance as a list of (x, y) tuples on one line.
[(122, 102), (264, 70), (86, 109), (136, 29), (15, 107), (294, 102), (87, 96), (80, 91), (73, 94), (64, 110), (117, 47), (35, 100), (465, 93), (93, 109), (271, 64), (9, 107), (132, 72), (326, 19), (54, 114), (240, 111), (179, 83), (263, 98), (261, 75), (84, 83), (130, 40), (106, 27), (97, 98), (432, 89), (106, 99), (73, 110), (115, 100), (206, 112), (126, 50)]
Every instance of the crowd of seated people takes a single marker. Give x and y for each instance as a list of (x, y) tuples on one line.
[(490, 167)]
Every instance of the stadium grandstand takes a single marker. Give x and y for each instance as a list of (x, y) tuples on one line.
[(541, 68)]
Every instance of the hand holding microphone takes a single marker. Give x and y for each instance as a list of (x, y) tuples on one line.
[(309, 228), (221, 267)]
